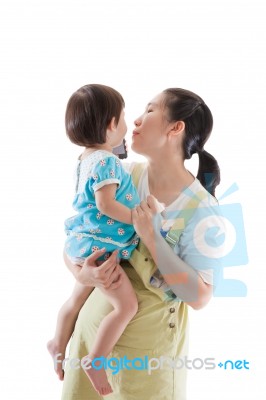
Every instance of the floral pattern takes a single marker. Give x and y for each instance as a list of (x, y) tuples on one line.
[(98, 215), (94, 248)]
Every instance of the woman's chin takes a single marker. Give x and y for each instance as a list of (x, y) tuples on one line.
[(134, 147)]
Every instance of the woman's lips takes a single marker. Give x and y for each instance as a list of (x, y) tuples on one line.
[(135, 133)]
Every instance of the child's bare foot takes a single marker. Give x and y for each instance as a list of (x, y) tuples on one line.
[(97, 377), (58, 356)]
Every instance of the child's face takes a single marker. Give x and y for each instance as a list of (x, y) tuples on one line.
[(121, 130)]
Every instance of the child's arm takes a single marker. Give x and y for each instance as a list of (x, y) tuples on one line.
[(107, 205)]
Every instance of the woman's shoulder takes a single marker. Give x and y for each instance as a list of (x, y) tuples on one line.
[(205, 197), (194, 196)]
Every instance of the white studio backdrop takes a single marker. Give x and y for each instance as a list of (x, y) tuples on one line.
[(48, 50)]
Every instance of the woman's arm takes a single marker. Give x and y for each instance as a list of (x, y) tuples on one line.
[(107, 275), (107, 204), (184, 280)]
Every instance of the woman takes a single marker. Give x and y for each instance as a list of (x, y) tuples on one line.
[(175, 125)]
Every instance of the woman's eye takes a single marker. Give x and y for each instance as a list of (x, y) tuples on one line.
[(149, 110)]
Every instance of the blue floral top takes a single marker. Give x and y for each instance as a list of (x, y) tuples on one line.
[(90, 230)]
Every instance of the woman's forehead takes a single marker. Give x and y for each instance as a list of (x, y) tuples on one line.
[(156, 101)]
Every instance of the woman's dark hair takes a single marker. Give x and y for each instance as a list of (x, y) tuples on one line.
[(89, 112), (186, 106)]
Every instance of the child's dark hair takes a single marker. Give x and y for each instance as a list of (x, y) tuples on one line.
[(183, 105), (89, 112)]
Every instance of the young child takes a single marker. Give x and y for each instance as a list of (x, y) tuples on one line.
[(105, 195)]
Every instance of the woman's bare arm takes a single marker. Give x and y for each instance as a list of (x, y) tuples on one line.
[(184, 280)]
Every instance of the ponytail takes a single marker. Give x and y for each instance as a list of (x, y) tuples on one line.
[(183, 105), (208, 171)]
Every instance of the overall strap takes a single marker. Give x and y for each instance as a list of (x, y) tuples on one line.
[(136, 173), (172, 237)]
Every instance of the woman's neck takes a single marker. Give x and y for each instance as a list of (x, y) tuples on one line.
[(167, 178)]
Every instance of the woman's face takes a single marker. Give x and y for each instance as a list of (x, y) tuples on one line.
[(151, 128)]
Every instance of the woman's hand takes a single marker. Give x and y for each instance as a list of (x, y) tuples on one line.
[(142, 218), (107, 275)]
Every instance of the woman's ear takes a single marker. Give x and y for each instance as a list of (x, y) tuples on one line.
[(177, 128), (112, 125)]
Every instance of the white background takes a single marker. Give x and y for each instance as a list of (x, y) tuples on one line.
[(48, 50)]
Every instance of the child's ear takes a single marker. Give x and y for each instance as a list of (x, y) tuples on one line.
[(112, 125)]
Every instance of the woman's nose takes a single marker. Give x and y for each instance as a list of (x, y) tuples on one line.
[(137, 121)]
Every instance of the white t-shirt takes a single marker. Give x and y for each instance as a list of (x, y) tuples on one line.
[(199, 238)]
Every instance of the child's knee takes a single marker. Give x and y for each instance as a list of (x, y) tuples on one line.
[(131, 306), (78, 299)]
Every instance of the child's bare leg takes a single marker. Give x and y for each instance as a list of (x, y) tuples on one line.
[(66, 319), (125, 304)]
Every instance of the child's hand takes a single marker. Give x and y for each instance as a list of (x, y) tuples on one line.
[(142, 217)]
